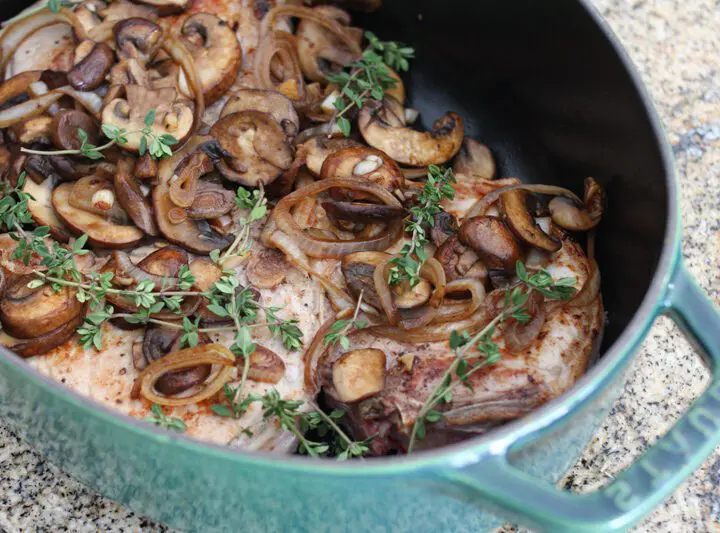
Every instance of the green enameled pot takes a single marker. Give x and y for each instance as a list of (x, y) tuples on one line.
[(546, 85)]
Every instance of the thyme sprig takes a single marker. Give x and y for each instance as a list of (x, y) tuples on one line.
[(157, 145), (159, 418), (369, 77), (482, 344), (438, 187)]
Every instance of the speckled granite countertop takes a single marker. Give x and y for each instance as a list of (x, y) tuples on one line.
[(676, 47)]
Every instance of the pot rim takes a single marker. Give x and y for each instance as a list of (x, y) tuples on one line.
[(470, 451)]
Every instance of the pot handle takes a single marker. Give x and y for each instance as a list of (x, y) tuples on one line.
[(647, 481)]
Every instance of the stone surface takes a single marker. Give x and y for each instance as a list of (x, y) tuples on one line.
[(676, 48)]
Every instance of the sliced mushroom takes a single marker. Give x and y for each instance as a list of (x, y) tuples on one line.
[(131, 198), (41, 208), (215, 51), (410, 147), (265, 366), (320, 51), (137, 38), (42, 343), (267, 269), (96, 195), (359, 374), (183, 186), (34, 130), (474, 159), (280, 107), (257, 144), (194, 235), (100, 231), (320, 147), (211, 202), (567, 214), (411, 297), (360, 212), (445, 226), (146, 167), (494, 243), (27, 313), (90, 72), (165, 262), (206, 273), (359, 270), (172, 117), (362, 163), (65, 125), (513, 206)]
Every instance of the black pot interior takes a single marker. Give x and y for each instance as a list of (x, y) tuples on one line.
[(542, 86)]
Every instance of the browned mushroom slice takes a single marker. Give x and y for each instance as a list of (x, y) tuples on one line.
[(165, 262), (567, 214), (65, 125), (96, 195), (41, 208), (474, 159), (27, 313), (89, 73), (257, 144), (360, 212), (137, 38), (359, 270), (363, 163), (359, 374), (494, 243), (215, 51), (445, 226), (320, 147), (34, 130), (513, 206), (410, 147), (211, 202), (146, 167), (131, 198), (265, 366), (172, 117), (411, 297), (100, 231), (43, 343), (319, 50), (183, 186), (278, 106), (267, 269)]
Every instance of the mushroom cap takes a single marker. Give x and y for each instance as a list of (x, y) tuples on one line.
[(408, 146), (280, 107), (100, 231), (318, 149), (172, 117), (474, 159), (215, 51), (137, 38), (41, 208), (513, 206), (257, 145)]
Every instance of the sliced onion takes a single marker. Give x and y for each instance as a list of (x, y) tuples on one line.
[(590, 290), (331, 129), (482, 205), (207, 354), (328, 248), (28, 109), (380, 276), (14, 34), (460, 311), (180, 54), (313, 355), (281, 45), (519, 336), (338, 30), (435, 332)]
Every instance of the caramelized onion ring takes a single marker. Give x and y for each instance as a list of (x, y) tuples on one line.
[(461, 311), (313, 355), (590, 290), (207, 354), (435, 332), (335, 249), (482, 205)]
